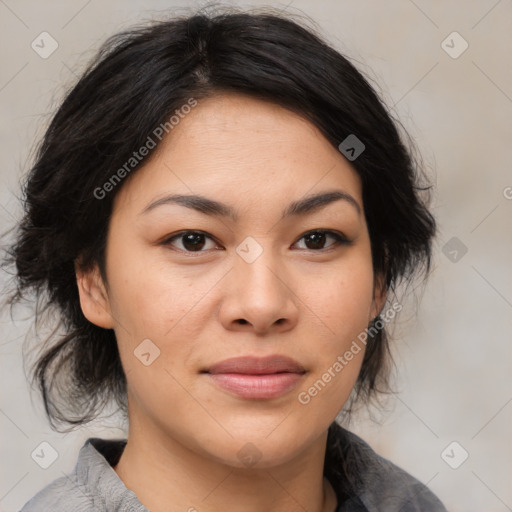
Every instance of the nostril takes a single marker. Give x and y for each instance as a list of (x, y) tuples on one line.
[(242, 321)]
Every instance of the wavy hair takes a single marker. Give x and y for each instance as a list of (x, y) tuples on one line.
[(136, 81)]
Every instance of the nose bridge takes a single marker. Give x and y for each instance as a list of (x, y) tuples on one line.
[(259, 295), (257, 268)]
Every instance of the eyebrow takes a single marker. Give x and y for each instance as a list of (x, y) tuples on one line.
[(317, 201), (215, 208)]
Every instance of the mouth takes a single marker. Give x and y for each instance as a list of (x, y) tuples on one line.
[(256, 378)]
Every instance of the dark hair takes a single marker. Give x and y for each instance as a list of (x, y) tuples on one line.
[(137, 81)]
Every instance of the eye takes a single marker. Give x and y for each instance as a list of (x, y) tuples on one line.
[(191, 241), (316, 240)]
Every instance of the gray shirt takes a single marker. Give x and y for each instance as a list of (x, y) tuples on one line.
[(363, 481)]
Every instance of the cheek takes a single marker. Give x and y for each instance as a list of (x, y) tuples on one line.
[(152, 299), (343, 297), (148, 296), (342, 304)]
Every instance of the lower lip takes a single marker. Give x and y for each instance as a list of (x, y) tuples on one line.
[(256, 386)]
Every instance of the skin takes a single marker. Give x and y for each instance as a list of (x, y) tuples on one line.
[(299, 299)]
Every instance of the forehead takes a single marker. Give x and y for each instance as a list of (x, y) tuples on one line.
[(241, 148), (240, 124)]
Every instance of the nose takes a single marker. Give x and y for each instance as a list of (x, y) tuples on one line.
[(259, 297)]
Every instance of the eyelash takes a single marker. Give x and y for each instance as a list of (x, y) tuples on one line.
[(340, 239)]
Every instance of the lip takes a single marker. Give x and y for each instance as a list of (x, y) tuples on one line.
[(252, 365), (257, 377)]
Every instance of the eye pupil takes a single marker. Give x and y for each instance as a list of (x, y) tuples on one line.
[(317, 240), (193, 241)]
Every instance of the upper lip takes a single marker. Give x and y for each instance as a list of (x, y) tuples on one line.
[(252, 365)]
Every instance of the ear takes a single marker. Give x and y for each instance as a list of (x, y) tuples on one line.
[(379, 295), (93, 297)]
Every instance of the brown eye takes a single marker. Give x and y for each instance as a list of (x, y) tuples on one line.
[(190, 241), (193, 241), (316, 240)]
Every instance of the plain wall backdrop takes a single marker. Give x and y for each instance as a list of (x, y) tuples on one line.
[(444, 69)]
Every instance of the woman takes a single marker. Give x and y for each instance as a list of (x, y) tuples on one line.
[(220, 211)]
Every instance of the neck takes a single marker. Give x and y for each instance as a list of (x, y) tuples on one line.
[(165, 473)]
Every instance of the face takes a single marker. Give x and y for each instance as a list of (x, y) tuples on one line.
[(266, 253)]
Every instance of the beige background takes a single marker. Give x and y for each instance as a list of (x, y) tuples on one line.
[(455, 357)]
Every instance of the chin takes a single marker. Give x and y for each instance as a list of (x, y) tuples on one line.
[(267, 449)]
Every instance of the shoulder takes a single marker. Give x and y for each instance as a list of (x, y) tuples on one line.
[(93, 485), (376, 483), (61, 495)]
